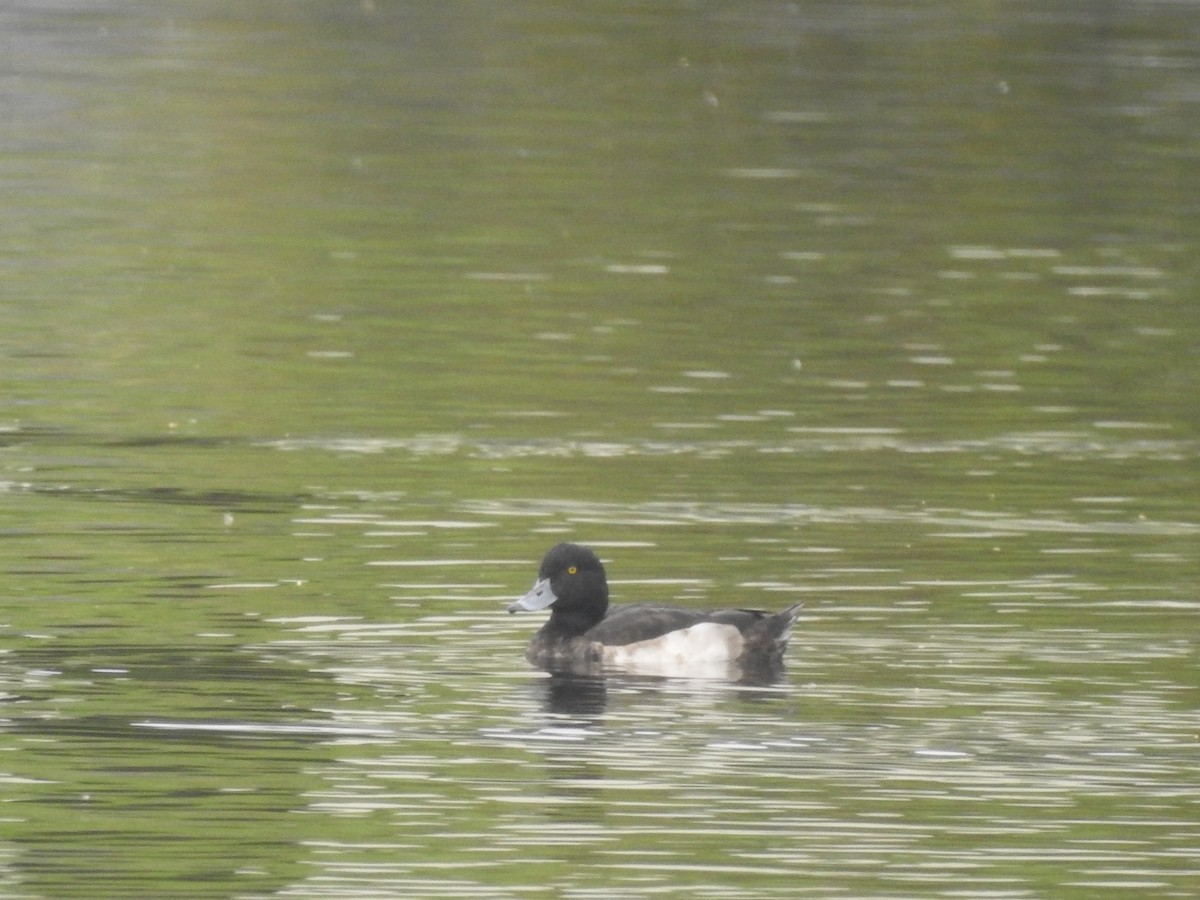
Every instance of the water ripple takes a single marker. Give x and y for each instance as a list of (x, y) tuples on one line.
[(1099, 444), (967, 522)]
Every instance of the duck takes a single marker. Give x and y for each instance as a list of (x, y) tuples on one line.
[(584, 636)]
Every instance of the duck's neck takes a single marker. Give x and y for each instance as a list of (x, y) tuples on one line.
[(569, 623)]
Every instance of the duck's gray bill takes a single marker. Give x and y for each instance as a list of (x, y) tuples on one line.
[(539, 597)]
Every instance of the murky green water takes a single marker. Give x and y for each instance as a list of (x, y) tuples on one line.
[(320, 322)]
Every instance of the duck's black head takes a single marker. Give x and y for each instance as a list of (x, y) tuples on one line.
[(572, 583)]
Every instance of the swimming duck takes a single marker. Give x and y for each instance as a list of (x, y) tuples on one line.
[(582, 635)]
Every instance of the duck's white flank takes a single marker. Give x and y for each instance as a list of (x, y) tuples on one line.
[(702, 645)]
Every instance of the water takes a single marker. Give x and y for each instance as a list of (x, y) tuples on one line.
[(319, 324)]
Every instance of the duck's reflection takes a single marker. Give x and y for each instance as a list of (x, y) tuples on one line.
[(585, 694), (570, 694)]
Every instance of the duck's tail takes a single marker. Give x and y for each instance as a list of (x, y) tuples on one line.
[(766, 642), (781, 624), (768, 637)]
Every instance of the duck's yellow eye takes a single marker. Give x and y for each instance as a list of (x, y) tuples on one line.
[(571, 570)]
